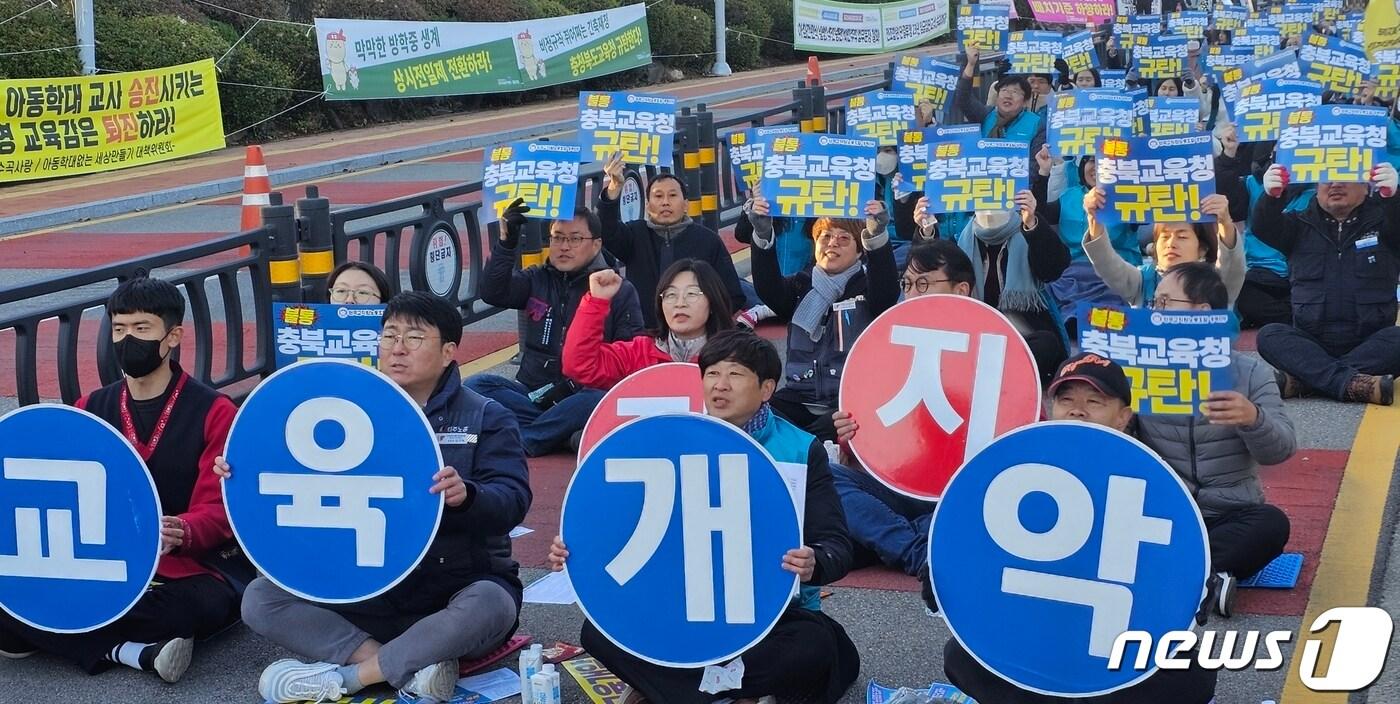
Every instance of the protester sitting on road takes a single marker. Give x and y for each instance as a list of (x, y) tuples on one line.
[(792, 239), (1090, 389), (359, 283), (178, 425), (826, 308), (1343, 259), (463, 599), (1014, 259), (1079, 282), (1219, 457), (666, 234), (689, 307), (887, 526), (550, 407), (1265, 296), (1011, 117), (1173, 243), (807, 656)]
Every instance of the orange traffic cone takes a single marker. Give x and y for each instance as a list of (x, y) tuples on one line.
[(256, 189), (814, 71)]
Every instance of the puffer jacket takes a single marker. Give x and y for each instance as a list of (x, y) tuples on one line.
[(1220, 463)]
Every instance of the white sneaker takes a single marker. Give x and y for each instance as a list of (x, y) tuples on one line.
[(173, 659), (287, 681), (437, 681)]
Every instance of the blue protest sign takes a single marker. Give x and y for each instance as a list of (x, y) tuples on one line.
[(1079, 118), (1332, 143), (1074, 533), (640, 524), (1230, 18), (929, 79), (747, 149), (1174, 360), (1191, 24), (1261, 105), (79, 520), (1261, 39), (880, 115), (1283, 64), (1387, 69), (640, 126), (1156, 179), (545, 174), (1340, 66), (1033, 51), (1292, 20), (1142, 28), (1114, 78), (915, 147), (326, 331), (984, 26), (1079, 52), (1164, 56), (819, 175), (1168, 117), (1221, 57), (967, 173), (315, 474)]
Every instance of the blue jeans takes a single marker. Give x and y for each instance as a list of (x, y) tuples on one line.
[(889, 524), (541, 432)]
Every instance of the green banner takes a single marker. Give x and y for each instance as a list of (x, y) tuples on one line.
[(369, 59)]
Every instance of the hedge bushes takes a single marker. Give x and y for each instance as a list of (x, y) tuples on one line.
[(143, 34)]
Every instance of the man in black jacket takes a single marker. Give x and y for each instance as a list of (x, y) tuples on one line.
[(1343, 255), (549, 406), (664, 235), (807, 656), (463, 600)]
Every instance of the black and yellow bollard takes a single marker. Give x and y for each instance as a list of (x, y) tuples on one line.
[(317, 253), (709, 168), (283, 269)]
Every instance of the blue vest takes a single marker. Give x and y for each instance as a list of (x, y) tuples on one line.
[(793, 246), (1074, 223), (788, 443), (1023, 128)]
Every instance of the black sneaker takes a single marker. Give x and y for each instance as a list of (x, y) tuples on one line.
[(14, 647), (575, 440), (1225, 597)]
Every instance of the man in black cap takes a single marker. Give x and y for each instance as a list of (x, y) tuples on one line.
[(1093, 389)]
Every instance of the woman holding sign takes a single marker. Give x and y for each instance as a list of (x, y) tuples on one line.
[(1174, 243), (691, 306)]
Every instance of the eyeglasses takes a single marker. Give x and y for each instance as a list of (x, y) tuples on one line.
[(690, 295), (840, 240), (411, 342), (920, 285), (345, 295), (556, 241), (1162, 301)]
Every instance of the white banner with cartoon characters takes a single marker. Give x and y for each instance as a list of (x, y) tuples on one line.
[(367, 59)]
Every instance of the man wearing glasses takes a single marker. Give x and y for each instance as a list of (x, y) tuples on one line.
[(550, 407), (463, 599)]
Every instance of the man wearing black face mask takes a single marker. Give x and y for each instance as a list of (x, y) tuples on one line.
[(178, 426)]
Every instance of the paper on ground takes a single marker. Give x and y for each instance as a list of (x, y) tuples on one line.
[(518, 531), (553, 588)]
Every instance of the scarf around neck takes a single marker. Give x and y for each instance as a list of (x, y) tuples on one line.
[(759, 420), (680, 350), (1019, 290), (667, 232), (826, 289)]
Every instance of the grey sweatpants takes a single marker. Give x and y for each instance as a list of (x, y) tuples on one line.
[(476, 620)]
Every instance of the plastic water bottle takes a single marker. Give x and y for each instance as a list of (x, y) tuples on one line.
[(530, 659), (544, 686)]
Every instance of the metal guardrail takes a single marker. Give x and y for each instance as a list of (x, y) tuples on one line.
[(434, 241)]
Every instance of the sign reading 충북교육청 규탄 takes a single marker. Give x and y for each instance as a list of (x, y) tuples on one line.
[(543, 174), (819, 175), (364, 59), (747, 149), (335, 458), (1156, 179), (1174, 360), (79, 520), (71, 125), (326, 331)]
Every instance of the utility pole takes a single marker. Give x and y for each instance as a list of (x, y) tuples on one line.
[(721, 67), (87, 41)]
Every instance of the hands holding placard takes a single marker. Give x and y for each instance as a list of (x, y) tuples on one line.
[(446, 482), (799, 561), (613, 176)]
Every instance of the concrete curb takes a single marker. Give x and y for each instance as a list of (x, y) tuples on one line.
[(283, 177)]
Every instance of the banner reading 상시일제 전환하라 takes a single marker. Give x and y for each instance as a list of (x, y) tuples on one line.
[(368, 59)]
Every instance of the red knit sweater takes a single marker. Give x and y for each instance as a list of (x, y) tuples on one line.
[(600, 365)]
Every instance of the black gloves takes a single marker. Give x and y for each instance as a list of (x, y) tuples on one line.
[(512, 220)]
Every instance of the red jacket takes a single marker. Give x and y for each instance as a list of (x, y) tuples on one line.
[(183, 468), (591, 362)]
